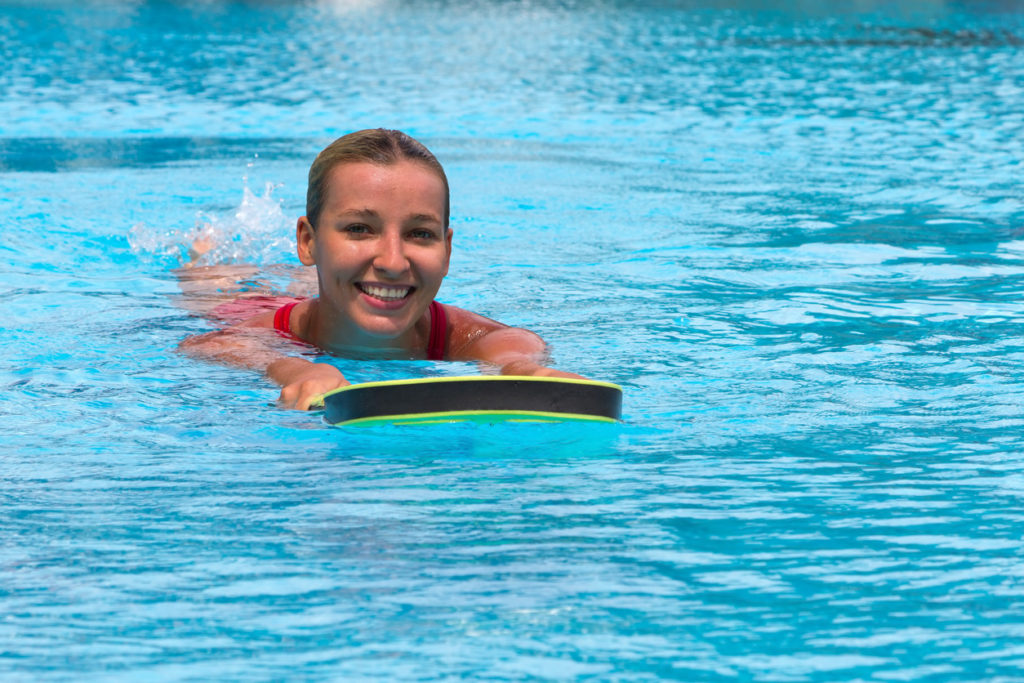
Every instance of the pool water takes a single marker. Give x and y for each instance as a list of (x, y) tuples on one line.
[(794, 236)]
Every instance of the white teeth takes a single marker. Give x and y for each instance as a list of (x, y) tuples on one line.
[(386, 293)]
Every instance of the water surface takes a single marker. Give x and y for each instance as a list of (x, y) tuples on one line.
[(793, 236)]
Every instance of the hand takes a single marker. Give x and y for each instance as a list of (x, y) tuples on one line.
[(309, 384), (551, 372), (530, 368)]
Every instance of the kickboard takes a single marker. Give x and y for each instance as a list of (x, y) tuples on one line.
[(478, 399)]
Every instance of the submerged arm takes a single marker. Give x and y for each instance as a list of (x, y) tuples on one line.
[(256, 348), (251, 343)]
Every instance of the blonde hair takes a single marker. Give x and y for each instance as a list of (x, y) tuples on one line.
[(375, 146)]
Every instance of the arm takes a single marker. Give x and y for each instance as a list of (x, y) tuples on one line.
[(514, 350), (256, 348), (251, 343)]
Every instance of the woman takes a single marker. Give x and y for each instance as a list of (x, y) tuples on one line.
[(376, 228)]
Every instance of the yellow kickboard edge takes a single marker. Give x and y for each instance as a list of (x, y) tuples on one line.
[(473, 416)]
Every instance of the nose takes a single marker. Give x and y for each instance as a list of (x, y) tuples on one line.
[(390, 259)]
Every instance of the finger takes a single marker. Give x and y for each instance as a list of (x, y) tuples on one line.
[(286, 399), (305, 403)]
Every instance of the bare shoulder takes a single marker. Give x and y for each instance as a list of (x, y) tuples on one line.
[(264, 315), (472, 336), (258, 320), (253, 316)]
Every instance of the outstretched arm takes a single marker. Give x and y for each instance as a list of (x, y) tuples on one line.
[(251, 343), (514, 350), (257, 348)]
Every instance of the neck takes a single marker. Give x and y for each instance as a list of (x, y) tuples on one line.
[(340, 337)]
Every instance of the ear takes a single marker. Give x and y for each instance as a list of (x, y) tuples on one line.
[(305, 241), (448, 250)]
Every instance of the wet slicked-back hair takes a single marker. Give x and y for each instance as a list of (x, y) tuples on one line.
[(375, 146)]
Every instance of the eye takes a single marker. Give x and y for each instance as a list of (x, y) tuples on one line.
[(356, 229), (423, 234)]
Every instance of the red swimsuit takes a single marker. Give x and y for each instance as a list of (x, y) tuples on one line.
[(435, 345)]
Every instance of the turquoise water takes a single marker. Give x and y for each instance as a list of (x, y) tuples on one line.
[(795, 237)]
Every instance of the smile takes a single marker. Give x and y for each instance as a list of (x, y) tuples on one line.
[(385, 292)]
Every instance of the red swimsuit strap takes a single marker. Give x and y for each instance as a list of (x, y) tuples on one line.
[(438, 332), (282, 319)]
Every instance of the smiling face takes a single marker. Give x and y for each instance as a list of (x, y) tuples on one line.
[(381, 249)]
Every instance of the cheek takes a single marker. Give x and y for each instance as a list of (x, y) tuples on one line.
[(436, 264), (343, 256)]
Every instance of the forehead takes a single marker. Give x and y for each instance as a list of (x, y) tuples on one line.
[(404, 184)]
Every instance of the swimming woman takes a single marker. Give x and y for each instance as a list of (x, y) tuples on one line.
[(376, 229)]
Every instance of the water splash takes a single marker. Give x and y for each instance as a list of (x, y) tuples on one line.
[(256, 231)]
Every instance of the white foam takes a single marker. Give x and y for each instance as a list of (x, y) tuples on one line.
[(256, 231)]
